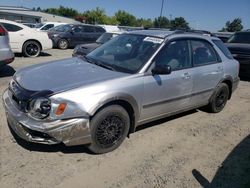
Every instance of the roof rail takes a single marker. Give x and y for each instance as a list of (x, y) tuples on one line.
[(191, 31)]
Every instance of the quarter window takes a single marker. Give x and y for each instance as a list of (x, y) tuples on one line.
[(176, 55), (203, 53), (223, 48), (11, 27)]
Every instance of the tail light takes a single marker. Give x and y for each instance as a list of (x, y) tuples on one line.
[(3, 32)]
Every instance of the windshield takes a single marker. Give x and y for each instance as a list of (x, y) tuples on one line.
[(61, 28), (105, 37), (126, 53), (240, 38)]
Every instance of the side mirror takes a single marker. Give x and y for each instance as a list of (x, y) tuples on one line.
[(161, 69)]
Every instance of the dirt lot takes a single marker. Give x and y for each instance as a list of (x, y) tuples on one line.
[(194, 149)]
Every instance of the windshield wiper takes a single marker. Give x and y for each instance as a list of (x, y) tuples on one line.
[(99, 63)]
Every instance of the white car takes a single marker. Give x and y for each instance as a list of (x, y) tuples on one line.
[(48, 25), (25, 40), (6, 55)]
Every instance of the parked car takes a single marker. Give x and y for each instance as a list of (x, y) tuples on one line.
[(132, 79), (224, 36), (31, 25), (26, 40), (239, 46), (48, 25), (84, 49), (6, 55), (70, 35)]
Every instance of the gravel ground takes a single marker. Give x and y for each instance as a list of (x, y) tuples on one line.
[(194, 149)]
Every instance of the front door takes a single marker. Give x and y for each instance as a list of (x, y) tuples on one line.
[(165, 94)]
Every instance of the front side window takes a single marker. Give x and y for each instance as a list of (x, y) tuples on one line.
[(77, 29), (127, 52), (11, 27), (203, 53), (175, 54)]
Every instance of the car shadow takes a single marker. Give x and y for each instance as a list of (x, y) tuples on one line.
[(42, 54), (49, 148), (164, 120), (233, 172), (242, 78), (6, 71)]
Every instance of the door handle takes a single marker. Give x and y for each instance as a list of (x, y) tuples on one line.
[(186, 76)]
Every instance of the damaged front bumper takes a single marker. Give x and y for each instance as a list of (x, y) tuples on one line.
[(71, 132)]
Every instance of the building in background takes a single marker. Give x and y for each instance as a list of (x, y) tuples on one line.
[(26, 15)]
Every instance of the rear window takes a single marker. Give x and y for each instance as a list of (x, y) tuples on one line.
[(223, 48), (11, 27)]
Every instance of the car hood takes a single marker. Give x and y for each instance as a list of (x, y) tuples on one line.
[(86, 48), (62, 75)]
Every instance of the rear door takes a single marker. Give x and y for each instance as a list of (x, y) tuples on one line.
[(208, 71), (88, 34), (164, 94)]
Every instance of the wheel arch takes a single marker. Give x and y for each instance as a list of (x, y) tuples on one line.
[(35, 41), (229, 81), (126, 101)]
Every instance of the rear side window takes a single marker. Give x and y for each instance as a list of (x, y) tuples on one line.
[(99, 30), (11, 27), (223, 48), (88, 29), (203, 53)]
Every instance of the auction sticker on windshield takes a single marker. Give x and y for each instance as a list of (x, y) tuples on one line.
[(154, 40)]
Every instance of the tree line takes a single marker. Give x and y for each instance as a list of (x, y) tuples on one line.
[(123, 18)]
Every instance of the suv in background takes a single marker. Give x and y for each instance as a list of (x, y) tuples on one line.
[(6, 55), (70, 35), (135, 78), (239, 46)]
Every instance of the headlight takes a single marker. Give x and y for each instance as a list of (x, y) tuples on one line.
[(40, 108)]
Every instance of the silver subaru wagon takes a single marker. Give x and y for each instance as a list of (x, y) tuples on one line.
[(137, 77)]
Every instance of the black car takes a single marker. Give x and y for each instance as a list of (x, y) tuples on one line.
[(84, 49), (239, 46), (70, 35)]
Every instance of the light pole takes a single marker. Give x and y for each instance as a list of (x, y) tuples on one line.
[(162, 3)]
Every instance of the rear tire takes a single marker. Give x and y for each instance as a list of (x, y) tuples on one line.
[(63, 44), (219, 98), (31, 49), (109, 127)]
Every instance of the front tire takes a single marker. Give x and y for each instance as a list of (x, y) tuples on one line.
[(109, 127), (31, 49), (63, 44), (219, 98)]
